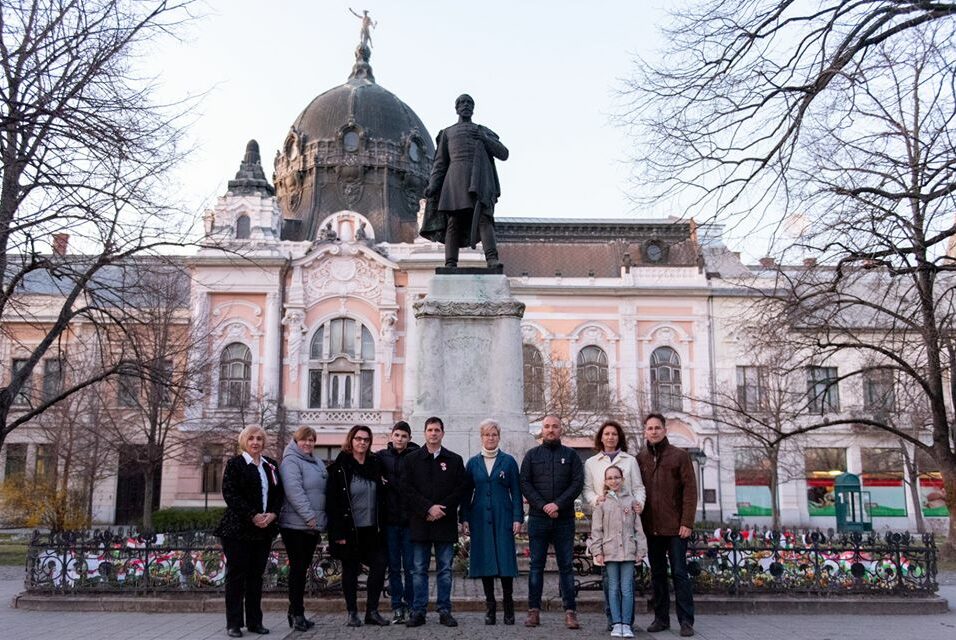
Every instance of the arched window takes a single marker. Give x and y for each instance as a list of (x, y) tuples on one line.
[(533, 379), (592, 378), (342, 366), (666, 391), (242, 228), (235, 374)]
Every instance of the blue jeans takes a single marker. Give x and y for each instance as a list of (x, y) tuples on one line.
[(400, 559), (620, 591), (444, 555), (660, 549), (559, 533)]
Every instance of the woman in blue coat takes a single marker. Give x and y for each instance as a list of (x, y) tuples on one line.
[(492, 512)]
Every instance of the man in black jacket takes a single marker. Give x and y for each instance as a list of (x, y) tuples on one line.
[(433, 484), (552, 476), (397, 533)]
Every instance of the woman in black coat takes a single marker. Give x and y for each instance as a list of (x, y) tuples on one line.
[(253, 494), (354, 504)]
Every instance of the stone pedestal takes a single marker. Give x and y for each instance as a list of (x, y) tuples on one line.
[(469, 362)]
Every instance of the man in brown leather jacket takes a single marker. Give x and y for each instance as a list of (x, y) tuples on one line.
[(668, 519)]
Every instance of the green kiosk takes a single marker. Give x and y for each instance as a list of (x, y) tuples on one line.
[(852, 504)]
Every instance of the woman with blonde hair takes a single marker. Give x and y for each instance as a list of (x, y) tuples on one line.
[(492, 512), (253, 493)]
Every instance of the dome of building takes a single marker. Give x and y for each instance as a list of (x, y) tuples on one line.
[(355, 147)]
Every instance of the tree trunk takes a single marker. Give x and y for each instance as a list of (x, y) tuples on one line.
[(912, 483), (148, 472), (774, 454)]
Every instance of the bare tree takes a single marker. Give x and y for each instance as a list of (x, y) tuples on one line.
[(159, 376), (722, 113), (85, 155), (842, 113), (583, 402), (765, 405), (85, 455)]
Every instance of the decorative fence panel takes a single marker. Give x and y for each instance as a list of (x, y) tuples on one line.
[(729, 561), (107, 561), (726, 561)]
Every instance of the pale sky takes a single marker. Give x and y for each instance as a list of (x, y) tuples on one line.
[(543, 74)]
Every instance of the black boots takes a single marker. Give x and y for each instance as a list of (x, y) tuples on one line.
[(491, 611), (509, 609)]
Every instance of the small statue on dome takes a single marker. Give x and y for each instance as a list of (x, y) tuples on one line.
[(367, 25)]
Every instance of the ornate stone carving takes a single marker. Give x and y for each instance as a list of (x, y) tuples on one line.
[(218, 312), (440, 308), (294, 321), (389, 339), (344, 276)]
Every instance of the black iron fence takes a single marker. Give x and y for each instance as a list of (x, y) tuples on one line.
[(731, 561), (131, 562), (727, 561)]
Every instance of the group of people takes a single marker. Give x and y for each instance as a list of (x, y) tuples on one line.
[(395, 508)]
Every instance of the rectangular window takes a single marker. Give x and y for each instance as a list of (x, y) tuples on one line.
[(822, 466), (327, 454), (45, 469), (341, 387), (342, 337), (315, 388), (883, 475), (23, 396), (212, 470), (165, 383), (52, 378), (15, 465), (823, 393), (879, 391), (127, 389), (752, 388), (752, 478), (367, 389)]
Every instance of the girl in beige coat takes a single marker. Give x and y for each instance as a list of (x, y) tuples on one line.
[(618, 543)]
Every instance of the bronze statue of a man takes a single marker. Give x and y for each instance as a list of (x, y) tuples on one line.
[(463, 187)]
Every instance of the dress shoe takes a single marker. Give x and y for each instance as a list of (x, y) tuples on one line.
[(258, 629), (571, 619), (300, 623), (415, 620), (533, 619), (353, 620), (686, 630), (375, 618), (491, 612), (234, 632), (400, 616), (446, 619), (659, 625), (509, 611)]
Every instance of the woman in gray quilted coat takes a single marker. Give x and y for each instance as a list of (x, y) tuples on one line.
[(302, 516)]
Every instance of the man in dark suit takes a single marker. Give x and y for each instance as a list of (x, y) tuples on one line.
[(465, 184), (434, 483)]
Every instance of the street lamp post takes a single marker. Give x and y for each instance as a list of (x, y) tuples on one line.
[(206, 459)]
